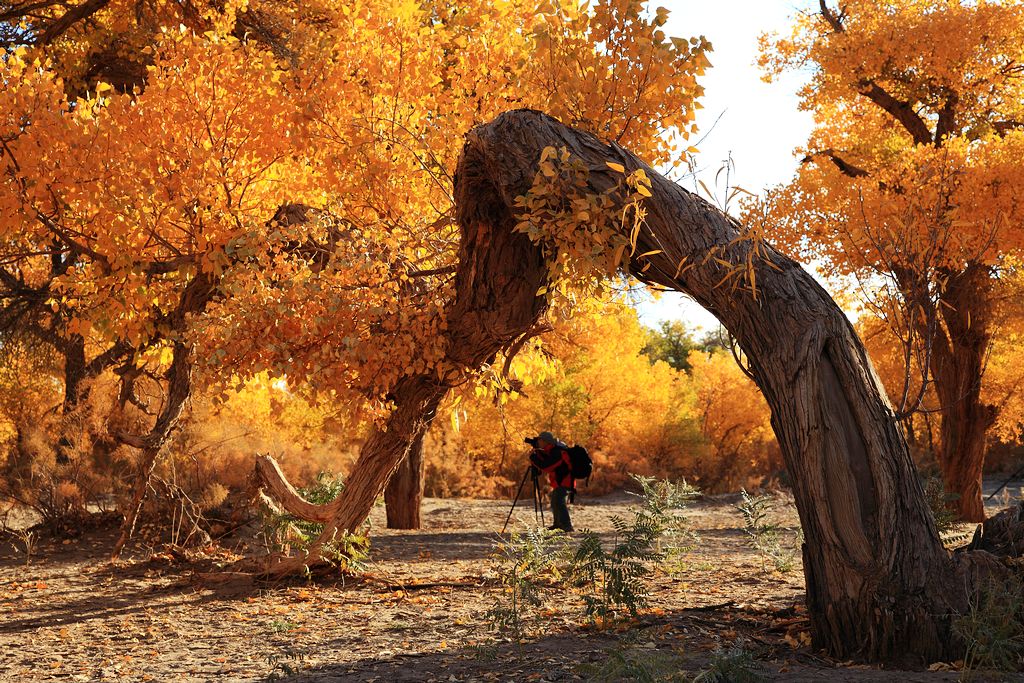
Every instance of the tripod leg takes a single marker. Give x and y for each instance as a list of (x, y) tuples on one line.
[(538, 501), (516, 499)]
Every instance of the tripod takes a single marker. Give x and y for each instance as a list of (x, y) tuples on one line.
[(538, 507)]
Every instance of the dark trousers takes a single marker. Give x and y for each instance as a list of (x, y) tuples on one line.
[(560, 509)]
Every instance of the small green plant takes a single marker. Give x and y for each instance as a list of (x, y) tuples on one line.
[(616, 579), (524, 564), (632, 664), (662, 501), (992, 628), (766, 537), (347, 552), (938, 500), (732, 665), (281, 626)]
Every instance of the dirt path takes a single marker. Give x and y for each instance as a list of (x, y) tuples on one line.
[(68, 616)]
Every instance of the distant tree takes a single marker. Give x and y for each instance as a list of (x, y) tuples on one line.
[(911, 185), (671, 343)]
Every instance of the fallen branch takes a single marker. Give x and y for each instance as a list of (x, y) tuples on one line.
[(271, 483)]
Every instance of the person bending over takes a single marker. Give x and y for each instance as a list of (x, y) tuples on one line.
[(552, 456)]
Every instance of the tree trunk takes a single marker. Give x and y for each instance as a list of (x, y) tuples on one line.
[(179, 388), (879, 585), (74, 371), (958, 363), (496, 303), (404, 493)]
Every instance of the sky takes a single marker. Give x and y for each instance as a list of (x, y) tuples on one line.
[(758, 124)]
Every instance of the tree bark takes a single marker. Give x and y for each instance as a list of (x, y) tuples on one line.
[(404, 493), (879, 585), (958, 364)]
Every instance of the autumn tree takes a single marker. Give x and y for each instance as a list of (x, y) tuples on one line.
[(880, 586), (735, 423), (908, 184), (671, 342), (273, 183), (589, 381)]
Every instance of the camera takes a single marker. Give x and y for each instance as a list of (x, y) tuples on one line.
[(533, 441)]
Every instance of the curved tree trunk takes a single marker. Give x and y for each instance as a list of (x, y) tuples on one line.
[(404, 493), (496, 303), (879, 585)]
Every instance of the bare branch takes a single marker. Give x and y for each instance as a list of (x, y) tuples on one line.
[(844, 166)]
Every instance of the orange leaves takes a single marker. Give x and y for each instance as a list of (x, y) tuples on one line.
[(358, 115), (638, 69)]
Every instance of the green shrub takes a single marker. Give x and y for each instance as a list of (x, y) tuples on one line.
[(766, 537), (732, 665), (524, 564), (615, 579), (992, 628)]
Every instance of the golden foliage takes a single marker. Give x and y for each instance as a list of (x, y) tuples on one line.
[(591, 383), (353, 111)]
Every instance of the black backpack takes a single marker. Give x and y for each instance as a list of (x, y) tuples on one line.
[(580, 463)]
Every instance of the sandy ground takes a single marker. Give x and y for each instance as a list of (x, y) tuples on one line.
[(418, 613)]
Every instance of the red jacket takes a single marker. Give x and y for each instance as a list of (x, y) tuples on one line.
[(555, 461)]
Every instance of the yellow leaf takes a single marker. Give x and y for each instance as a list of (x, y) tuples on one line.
[(618, 255), (642, 190), (615, 167)]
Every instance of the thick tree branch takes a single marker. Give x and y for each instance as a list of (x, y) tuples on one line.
[(268, 475), (898, 109), (834, 20), (946, 125), (69, 19), (1004, 127)]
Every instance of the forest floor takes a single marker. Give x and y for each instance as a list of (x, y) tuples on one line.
[(417, 613)]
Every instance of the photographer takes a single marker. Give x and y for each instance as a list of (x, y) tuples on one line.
[(551, 455)]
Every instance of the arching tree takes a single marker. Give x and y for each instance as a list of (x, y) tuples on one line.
[(909, 183), (880, 586)]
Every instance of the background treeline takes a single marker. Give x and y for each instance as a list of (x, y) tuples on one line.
[(665, 402)]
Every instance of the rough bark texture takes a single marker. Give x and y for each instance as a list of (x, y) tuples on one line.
[(879, 585), (958, 364), (404, 493)]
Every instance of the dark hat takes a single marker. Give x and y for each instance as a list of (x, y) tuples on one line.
[(549, 437)]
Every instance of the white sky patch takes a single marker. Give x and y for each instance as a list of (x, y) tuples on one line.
[(758, 123)]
